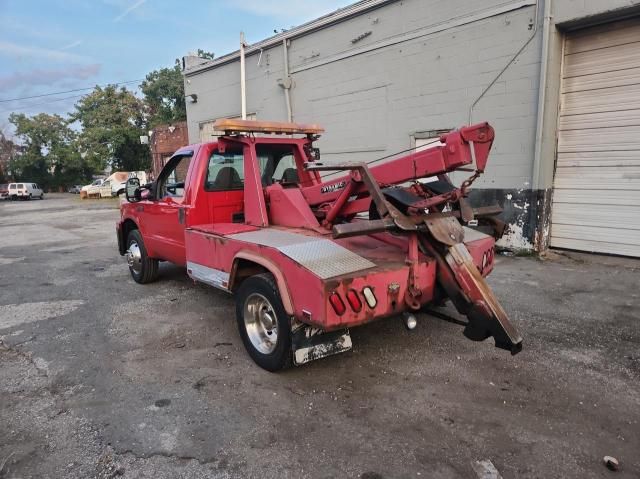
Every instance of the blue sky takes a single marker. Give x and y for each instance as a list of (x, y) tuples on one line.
[(57, 45)]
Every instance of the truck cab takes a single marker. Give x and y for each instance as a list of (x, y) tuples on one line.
[(308, 258)]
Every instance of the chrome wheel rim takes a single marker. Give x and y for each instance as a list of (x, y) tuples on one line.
[(134, 257), (261, 323)]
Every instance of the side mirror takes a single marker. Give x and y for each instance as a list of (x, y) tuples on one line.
[(132, 190)]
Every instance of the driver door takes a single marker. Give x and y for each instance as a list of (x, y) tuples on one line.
[(166, 213)]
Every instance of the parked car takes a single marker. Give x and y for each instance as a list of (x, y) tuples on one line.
[(93, 188), (106, 189), (75, 189), (25, 191), (4, 191)]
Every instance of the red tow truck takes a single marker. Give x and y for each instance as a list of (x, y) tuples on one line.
[(309, 256)]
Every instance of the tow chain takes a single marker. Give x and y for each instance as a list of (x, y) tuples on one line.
[(469, 181)]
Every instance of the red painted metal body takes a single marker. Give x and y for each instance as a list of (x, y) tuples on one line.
[(210, 232)]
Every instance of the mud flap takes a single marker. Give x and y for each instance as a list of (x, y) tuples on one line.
[(311, 343)]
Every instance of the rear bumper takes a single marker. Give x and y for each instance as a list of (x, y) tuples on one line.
[(378, 294)]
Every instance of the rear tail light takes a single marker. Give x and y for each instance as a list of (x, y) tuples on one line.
[(337, 304), (354, 300), (369, 297)]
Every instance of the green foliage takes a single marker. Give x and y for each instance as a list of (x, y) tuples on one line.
[(50, 157), (112, 122), (7, 152), (164, 95), (202, 54)]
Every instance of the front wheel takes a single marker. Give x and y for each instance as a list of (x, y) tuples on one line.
[(263, 323), (143, 269)]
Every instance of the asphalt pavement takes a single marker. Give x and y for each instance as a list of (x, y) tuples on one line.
[(102, 377)]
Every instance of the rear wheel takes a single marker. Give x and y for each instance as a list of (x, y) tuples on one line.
[(143, 269), (263, 323)]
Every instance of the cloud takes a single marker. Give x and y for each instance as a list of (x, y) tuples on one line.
[(39, 76), (291, 10), (71, 45), (25, 28), (20, 51), (128, 10)]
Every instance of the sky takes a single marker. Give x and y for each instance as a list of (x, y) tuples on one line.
[(51, 46)]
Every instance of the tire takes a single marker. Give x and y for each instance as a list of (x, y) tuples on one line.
[(260, 293), (42, 196), (142, 268)]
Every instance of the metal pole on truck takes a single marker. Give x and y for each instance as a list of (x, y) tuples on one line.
[(243, 84)]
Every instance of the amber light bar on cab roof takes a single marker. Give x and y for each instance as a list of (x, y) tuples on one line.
[(273, 127)]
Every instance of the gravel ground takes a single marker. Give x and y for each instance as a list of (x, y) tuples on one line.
[(102, 377)]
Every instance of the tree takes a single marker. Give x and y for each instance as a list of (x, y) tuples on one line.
[(112, 122), (163, 92), (49, 157), (202, 54), (8, 150)]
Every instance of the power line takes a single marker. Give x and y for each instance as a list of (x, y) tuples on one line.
[(26, 107), (68, 91)]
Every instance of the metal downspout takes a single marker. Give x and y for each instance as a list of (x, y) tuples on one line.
[(506, 67), (287, 82), (539, 236), (542, 94)]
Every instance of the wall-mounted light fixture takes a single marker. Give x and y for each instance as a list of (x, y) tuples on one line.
[(193, 98)]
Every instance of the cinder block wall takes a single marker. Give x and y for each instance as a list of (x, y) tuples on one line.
[(409, 67), (419, 67)]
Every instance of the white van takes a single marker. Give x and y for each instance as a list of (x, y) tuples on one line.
[(25, 191)]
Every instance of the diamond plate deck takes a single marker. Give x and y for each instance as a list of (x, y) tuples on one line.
[(322, 257)]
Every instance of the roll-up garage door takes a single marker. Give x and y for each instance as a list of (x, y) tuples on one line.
[(596, 200)]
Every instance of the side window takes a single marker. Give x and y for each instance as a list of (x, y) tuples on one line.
[(171, 182), (225, 172), (12, 186), (277, 164), (286, 170)]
